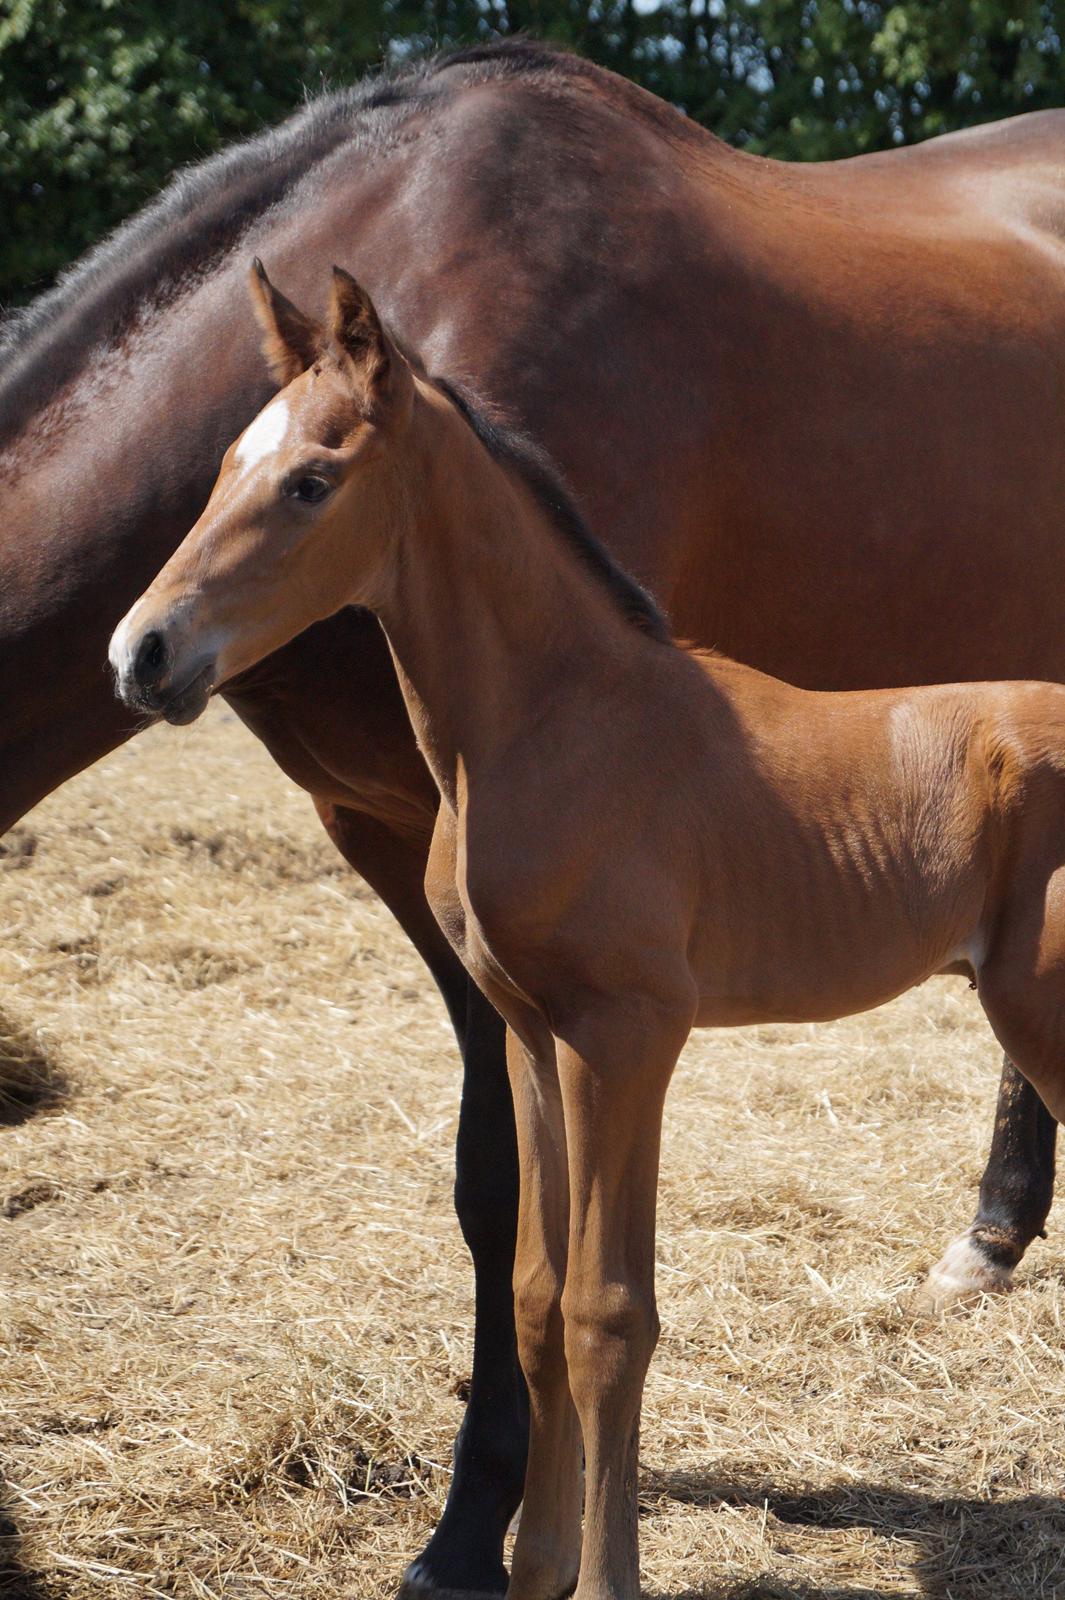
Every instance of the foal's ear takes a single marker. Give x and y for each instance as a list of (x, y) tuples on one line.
[(355, 326), (292, 342)]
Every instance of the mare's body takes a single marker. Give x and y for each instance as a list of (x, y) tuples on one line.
[(816, 408), (632, 838)]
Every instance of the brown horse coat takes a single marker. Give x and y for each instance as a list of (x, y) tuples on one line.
[(816, 408), (632, 839)]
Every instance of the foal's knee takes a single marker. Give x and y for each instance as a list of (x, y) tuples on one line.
[(610, 1337), (538, 1322)]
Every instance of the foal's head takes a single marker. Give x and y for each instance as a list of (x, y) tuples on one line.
[(302, 517)]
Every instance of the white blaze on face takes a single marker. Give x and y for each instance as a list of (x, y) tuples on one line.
[(263, 436)]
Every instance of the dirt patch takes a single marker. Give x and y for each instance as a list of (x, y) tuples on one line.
[(29, 1198)]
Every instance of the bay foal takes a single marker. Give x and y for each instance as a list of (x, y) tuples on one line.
[(633, 838)]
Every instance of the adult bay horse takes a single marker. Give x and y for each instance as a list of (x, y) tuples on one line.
[(816, 408), (620, 823)]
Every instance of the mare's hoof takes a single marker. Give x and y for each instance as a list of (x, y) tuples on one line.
[(415, 1588), (964, 1273), (419, 1584)]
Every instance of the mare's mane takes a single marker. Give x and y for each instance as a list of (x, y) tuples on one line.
[(195, 223), (200, 217), (517, 453)]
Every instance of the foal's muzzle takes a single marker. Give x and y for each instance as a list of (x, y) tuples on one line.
[(148, 678), (149, 663)]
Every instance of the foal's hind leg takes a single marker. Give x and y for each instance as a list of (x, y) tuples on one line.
[(1022, 981), (1015, 1196)]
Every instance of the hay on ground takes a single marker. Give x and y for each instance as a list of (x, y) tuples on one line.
[(237, 1317)]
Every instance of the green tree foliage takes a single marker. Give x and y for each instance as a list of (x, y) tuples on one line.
[(101, 99)]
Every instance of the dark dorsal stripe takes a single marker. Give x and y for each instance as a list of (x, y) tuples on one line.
[(517, 453), (202, 214)]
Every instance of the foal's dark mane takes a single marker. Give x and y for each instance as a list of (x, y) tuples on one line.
[(191, 228), (519, 454)]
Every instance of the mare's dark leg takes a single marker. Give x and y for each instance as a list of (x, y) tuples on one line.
[(466, 1551), (1015, 1196)]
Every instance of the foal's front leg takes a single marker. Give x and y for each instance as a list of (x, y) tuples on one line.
[(465, 1554), (548, 1545), (613, 1090)]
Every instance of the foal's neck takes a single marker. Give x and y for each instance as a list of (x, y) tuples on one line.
[(491, 620)]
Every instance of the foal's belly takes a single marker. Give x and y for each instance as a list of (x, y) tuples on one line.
[(737, 1010), (804, 979), (858, 864)]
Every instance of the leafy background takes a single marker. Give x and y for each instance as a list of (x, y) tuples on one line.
[(101, 99)]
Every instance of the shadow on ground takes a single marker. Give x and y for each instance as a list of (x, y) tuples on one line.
[(963, 1549), (17, 1580), (31, 1080)]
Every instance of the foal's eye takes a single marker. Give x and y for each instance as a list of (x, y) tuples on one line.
[(310, 489)]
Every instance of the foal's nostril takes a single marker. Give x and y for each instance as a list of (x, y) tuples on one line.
[(150, 660)]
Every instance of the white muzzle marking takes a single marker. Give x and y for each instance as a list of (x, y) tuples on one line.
[(119, 652)]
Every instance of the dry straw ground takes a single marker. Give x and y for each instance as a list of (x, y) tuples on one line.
[(236, 1314)]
